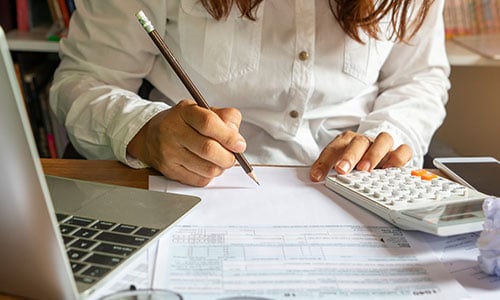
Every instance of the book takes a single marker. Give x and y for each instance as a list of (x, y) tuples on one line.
[(35, 73), (31, 14), (22, 15), (63, 6), (466, 17), (56, 15)]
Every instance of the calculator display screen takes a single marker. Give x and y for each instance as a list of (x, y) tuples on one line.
[(454, 212)]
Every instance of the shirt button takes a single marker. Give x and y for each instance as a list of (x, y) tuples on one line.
[(294, 114), (303, 55)]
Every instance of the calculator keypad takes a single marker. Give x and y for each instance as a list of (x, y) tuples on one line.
[(402, 188)]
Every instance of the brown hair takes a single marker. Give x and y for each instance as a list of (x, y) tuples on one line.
[(351, 15)]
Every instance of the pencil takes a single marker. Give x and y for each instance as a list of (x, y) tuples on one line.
[(188, 83)]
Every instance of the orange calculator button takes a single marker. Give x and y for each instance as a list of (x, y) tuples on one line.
[(424, 174)]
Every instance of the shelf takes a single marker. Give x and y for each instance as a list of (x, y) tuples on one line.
[(33, 41), (461, 56), (36, 41)]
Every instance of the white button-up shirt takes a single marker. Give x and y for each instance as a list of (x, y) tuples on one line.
[(297, 78)]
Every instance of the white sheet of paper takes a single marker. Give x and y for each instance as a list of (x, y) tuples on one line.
[(286, 196), (459, 255), (284, 236)]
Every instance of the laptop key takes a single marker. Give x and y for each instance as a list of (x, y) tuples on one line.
[(85, 233), (103, 225), (115, 249), (87, 280), (76, 267), (124, 228), (146, 231), (83, 244), (67, 239), (80, 221), (121, 238), (96, 271), (61, 217), (103, 259), (66, 229), (76, 254)]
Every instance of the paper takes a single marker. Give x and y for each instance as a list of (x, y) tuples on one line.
[(286, 196), (291, 239), (299, 262), (459, 255)]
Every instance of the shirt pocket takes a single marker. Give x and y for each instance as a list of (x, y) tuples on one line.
[(219, 50), (364, 61)]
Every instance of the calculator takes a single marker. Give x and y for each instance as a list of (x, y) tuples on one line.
[(414, 199)]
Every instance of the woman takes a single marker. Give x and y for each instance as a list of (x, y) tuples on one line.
[(332, 84)]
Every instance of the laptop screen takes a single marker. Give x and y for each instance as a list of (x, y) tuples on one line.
[(34, 263)]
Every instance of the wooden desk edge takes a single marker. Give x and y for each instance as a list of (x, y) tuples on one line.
[(103, 171), (108, 171)]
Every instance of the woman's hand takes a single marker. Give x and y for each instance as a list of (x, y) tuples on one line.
[(351, 150), (189, 143)]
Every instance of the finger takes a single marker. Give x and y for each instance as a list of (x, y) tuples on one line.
[(230, 116), (186, 176), (399, 157), (211, 151), (329, 156), (352, 154), (189, 168), (209, 124), (376, 152)]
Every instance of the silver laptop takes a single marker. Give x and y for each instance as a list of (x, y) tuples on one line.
[(62, 238)]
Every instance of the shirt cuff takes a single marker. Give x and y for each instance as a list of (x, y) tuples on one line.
[(120, 149)]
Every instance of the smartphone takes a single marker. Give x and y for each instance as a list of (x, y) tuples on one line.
[(481, 173)]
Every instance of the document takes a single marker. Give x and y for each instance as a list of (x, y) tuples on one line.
[(459, 255), (299, 262), (291, 239)]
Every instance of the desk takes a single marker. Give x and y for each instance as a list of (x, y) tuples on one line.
[(103, 171)]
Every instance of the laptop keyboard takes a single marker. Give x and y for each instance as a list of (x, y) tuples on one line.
[(95, 247)]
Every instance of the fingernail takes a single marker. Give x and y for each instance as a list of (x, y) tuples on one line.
[(344, 166), (232, 125), (316, 174), (240, 146), (364, 166)]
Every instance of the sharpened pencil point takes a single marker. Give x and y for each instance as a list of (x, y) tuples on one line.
[(252, 175)]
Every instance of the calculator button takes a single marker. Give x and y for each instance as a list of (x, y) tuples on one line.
[(398, 189), (345, 179)]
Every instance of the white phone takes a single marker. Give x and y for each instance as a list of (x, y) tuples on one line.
[(481, 173)]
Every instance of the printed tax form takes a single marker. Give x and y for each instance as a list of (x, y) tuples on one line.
[(291, 239)]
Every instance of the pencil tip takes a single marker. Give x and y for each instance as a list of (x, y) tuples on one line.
[(252, 175)]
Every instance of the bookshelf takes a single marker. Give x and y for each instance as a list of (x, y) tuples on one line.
[(36, 41), (32, 41), (35, 59)]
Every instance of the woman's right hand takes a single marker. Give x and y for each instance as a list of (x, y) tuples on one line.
[(189, 143)]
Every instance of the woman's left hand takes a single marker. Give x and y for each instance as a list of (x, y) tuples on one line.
[(351, 150)]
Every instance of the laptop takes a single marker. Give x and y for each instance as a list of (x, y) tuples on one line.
[(63, 238)]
